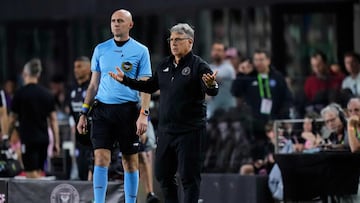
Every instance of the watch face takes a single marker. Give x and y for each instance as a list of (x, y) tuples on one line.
[(146, 112)]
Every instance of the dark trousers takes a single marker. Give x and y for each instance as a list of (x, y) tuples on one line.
[(84, 160), (179, 153)]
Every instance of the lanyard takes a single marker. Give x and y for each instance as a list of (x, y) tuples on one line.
[(261, 87), (357, 133)]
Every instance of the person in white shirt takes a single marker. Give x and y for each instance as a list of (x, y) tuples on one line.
[(352, 65), (226, 75)]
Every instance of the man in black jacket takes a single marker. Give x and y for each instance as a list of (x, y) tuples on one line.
[(265, 91), (183, 80)]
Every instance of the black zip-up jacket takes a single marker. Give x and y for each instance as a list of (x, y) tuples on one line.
[(182, 93)]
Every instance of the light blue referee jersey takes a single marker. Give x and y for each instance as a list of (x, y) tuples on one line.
[(134, 60)]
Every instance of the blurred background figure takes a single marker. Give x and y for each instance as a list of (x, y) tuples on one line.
[(310, 132), (353, 109), (33, 106), (265, 91), (3, 116), (352, 65), (146, 162), (226, 75), (335, 122), (83, 147), (245, 67), (233, 55), (322, 87)]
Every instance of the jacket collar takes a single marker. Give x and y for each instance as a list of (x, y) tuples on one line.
[(183, 60)]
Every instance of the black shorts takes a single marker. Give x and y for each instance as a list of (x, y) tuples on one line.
[(115, 123), (34, 156)]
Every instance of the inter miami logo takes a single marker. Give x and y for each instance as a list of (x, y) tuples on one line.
[(126, 66), (65, 193), (186, 71)]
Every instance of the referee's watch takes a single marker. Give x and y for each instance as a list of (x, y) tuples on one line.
[(82, 113), (145, 112)]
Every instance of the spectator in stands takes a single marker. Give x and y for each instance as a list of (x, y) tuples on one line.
[(226, 75), (245, 67), (263, 156), (322, 87), (265, 91), (310, 133), (234, 56), (33, 106), (335, 122), (353, 126), (3, 116), (212, 141), (335, 69), (353, 109), (58, 89), (352, 65), (9, 90), (6, 95)]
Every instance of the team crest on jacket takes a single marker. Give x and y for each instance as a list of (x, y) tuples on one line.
[(186, 71), (126, 66)]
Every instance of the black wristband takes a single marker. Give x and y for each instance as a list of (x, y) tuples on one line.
[(82, 113)]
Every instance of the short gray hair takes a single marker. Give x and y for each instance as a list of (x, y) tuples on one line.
[(183, 28), (335, 108), (33, 67)]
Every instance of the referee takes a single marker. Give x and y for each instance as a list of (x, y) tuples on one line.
[(116, 118), (183, 79)]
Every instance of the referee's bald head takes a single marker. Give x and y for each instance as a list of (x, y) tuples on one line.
[(124, 13)]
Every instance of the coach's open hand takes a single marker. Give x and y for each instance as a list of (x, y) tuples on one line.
[(119, 76), (210, 80)]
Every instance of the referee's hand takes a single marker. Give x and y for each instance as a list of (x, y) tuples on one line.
[(119, 76), (82, 125), (141, 124)]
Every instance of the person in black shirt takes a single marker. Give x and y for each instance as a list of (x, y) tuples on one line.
[(33, 106), (84, 151), (183, 80)]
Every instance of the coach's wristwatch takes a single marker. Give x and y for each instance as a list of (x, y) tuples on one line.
[(146, 112)]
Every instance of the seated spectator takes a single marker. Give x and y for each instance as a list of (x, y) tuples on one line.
[(322, 87), (310, 133), (353, 108), (352, 65), (262, 155), (335, 122)]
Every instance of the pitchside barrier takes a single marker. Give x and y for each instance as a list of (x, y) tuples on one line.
[(215, 188), (45, 191)]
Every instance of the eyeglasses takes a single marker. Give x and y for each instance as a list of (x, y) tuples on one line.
[(176, 40), (331, 120)]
